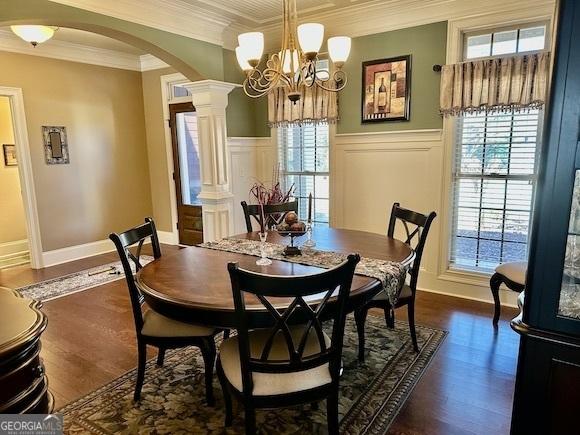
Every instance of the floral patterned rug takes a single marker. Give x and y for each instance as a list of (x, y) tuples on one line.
[(78, 281), (172, 402)]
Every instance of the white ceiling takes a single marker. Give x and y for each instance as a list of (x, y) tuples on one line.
[(255, 12)]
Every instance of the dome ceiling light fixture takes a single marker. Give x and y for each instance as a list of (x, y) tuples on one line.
[(34, 34), (294, 66)]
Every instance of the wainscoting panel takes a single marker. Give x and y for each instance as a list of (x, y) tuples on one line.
[(369, 172)]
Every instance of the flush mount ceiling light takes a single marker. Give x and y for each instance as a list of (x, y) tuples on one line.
[(34, 34), (294, 66)]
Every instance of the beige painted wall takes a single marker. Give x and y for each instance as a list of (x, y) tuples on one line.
[(12, 223), (102, 109)]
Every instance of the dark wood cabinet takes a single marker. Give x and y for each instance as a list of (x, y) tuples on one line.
[(547, 395), (23, 382)]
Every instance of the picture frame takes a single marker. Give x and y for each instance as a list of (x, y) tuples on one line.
[(9, 151), (386, 90), (55, 145)]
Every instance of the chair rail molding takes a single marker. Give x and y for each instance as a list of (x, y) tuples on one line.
[(210, 99)]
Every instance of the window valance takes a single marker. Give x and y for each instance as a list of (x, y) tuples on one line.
[(497, 84), (315, 106)]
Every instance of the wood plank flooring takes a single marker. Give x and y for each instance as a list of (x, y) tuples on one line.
[(467, 389)]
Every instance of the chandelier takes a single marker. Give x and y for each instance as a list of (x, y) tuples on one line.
[(295, 65)]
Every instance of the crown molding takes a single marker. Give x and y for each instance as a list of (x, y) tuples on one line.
[(383, 16), (150, 62), (175, 16), (72, 52)]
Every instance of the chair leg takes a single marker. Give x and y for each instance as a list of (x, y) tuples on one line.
[(250, 419), (494, 284), (332, 412), (160, 356), (360, 317), (142, 360), (389, 316), (208, 352), (411, 316), (226, 394)]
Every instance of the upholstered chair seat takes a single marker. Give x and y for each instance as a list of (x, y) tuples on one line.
[(157, 325), (271, 384), (513, 276), (515, 272)]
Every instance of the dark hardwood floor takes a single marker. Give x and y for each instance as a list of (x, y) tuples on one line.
[(467, 389)]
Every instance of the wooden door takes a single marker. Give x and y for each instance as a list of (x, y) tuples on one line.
[(186, 172)]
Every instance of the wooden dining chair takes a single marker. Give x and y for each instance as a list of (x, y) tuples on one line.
[(294, 361), (153, 328), (274, 213), (416, 236), (513, 275)]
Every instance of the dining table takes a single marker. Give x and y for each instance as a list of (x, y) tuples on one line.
[(193, 285)]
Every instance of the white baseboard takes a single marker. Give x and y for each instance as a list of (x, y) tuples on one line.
[(168, 238), (72, 253), (14, 247), (14, 253), (503, 295)]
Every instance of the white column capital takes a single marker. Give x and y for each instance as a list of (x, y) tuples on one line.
[(210, 93)]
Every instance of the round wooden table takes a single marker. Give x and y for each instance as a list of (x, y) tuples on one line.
[(193, 284)]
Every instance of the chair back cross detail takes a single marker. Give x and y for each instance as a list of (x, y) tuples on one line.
[(274, 213), (307, 346), (416, 227)]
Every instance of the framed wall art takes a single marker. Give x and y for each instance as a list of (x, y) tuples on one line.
[(386, 89), (9, 152), (55, 145)]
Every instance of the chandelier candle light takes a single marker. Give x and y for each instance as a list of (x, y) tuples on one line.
[(294, 66)]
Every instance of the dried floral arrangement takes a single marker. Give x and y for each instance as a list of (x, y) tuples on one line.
[(274, 194)]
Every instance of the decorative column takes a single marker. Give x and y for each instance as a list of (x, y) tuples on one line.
[(210, 99)]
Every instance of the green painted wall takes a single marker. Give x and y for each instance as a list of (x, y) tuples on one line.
[(426, 45), (189, 56), (246, 117)]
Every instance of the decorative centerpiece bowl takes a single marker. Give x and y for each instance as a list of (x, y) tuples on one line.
[(291, 227)]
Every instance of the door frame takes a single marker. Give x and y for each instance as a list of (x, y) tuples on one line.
[(25, 174), (167, 81)]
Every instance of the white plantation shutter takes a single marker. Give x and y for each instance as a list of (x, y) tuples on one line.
[(304, 161), (493, 186)]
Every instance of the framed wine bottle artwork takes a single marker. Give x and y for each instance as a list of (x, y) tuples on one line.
[(386, 89)]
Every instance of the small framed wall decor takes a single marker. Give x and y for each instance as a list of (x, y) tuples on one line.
[(9, 151), (55, 145), (386, 89)]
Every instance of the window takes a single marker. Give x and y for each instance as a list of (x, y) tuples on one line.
[(494, 170), (304, 162)]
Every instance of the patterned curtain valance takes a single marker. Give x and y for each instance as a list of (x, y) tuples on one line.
[(316, 105), (494, 84)]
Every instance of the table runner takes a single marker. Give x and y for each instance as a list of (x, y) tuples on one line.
[(390, 274)]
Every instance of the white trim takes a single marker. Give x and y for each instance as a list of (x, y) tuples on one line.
[(72, 253), (149, 62), (167, 238), (14, 253), (13, 247), (398, 136), (175, 16), (166, 82), (543, 12), (472, 298), (71, 52), (25, 173)]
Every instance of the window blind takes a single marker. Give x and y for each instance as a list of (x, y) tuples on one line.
[(493, 186), (304, 161)]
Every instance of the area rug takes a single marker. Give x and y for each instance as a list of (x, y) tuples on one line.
[(78, 281), (172, 401)]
